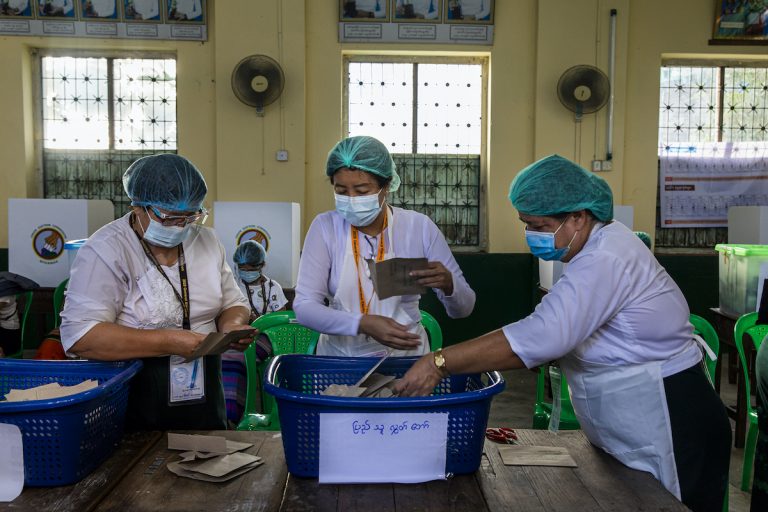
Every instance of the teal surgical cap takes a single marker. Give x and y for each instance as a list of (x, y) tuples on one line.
[(555, 185), (645, 237), (250, 252), (166, 181), (366, 154)]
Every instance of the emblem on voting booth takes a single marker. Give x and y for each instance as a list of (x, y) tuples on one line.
[(255, 233), (48, 242)]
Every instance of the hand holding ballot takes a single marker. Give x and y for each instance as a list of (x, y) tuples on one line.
[(434, 276)]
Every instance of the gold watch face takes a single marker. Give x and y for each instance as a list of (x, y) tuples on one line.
[(439, 361)]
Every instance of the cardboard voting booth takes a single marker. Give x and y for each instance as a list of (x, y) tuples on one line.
[(274, 225), (748, 225), (550, 271), (38, 229)]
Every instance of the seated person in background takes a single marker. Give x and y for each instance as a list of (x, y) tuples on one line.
[(10, 326), (264, 296), (50, 348), (364, 227), (151, 285)]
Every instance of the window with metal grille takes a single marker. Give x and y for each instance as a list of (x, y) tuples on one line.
[(99, 114), (430, 113), (705, 103)]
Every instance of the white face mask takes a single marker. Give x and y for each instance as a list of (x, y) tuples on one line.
[(165, 236), (360, 211)]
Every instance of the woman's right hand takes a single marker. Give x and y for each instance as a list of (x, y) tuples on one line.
[(388, 332), (184, 342)]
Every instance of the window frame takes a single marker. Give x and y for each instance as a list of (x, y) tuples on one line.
[(483, 61)]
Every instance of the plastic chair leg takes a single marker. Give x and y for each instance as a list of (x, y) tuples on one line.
[(749, 456)]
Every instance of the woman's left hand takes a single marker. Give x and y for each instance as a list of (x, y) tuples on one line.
[(435, 276), (243, 342), (421, 379)]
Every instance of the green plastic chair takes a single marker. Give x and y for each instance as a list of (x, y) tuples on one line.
[(58, 302), (704, 329), (287, 337), (27, 298), (433, 331), (542, 410), (745, 325)]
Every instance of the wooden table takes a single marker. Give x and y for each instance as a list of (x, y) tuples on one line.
[(598, 483)]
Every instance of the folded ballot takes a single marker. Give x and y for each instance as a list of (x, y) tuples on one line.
[(210, 458), (391, 277), (218, 342), (49, 391)]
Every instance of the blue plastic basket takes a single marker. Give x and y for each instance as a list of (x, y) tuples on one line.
[(66, 438), (296, 381)]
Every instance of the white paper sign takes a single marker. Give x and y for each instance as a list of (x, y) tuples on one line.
[(382, 448), (11, 462)]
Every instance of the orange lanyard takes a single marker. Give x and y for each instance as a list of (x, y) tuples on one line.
[(356, 252)]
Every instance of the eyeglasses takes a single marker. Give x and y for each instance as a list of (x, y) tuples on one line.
[(180, 220)]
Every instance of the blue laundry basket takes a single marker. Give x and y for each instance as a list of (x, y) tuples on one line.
[(66, 438), (296, 382)]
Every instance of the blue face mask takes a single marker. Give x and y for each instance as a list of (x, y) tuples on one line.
[(165, 236), (543, 244), (360, 211), (249, 276)]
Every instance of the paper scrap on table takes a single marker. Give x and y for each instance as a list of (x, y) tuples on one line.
[(375, 386), (201, 443), (391, 277), (226, 469), (11, 462), (218, 342), (522, 455), (49, 391), (220, 465)]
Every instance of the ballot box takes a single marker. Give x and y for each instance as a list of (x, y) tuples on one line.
[(274, 225), (39, 228)]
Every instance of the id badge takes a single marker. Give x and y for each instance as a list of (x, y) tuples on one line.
[(186, 381)]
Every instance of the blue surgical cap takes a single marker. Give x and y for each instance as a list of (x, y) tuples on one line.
[(366, 154), (166, 181), (249, 252), (555, 185)]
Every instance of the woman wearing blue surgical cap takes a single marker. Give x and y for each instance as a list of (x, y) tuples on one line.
[(364, 227), (618, 325), (151, 285)]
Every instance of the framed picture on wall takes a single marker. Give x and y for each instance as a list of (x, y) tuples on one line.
[(364, 10), (16, 9), (56, 9), (141, 10), (741, 20), (469, 11), (417, 11), (186, 11), (98, 9)]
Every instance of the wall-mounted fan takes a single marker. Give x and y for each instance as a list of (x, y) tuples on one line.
[(257, 80), (583, 89)]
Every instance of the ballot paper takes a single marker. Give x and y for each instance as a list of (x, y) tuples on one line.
[(197, 443), (521, 455), (391, 277), (375, 386), (218, 342), (11, 462), (49, 391), (210, 458)]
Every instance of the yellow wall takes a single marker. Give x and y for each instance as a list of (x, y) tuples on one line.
[(535, 41)]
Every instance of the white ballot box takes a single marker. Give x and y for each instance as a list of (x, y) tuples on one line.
[(274, 225), (38, 229), (550, 271)]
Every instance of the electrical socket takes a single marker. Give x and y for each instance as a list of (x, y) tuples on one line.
[(282, 155), (597, 165), (607, 165)]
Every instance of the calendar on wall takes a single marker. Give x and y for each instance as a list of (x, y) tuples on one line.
[(699, 183), (112, 19)]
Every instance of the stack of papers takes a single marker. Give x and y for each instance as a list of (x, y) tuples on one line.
[(210, 458), (375, 386), (49, 391)]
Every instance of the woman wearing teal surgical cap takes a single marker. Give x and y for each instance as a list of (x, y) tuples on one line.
[(334, 262), (618, 326)]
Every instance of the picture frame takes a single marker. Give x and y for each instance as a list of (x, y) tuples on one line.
[(142, 11), (56, 9), (377, 11), (16, 9), (479, 12), (741, 20), (417, 11), (94, 10), (185, 11)]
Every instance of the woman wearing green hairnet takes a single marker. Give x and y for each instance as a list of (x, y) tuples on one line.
[(151, 285), (618, 325), (364, 227)]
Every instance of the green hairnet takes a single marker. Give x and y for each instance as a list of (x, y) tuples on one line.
[(366, 154), (249, 252), (167, 181), (555, 185), (645, 237)]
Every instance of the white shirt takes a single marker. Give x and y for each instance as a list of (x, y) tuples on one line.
[(9, 318), (275, 297), (414, 236), (103, 8), (148, 9), (480, 9), (191, 8), (112, 280), (613, 305)]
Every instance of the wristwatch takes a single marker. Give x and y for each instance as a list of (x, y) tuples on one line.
[(440, 362)]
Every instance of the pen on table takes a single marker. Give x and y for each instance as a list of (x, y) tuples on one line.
[(194, 374)]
